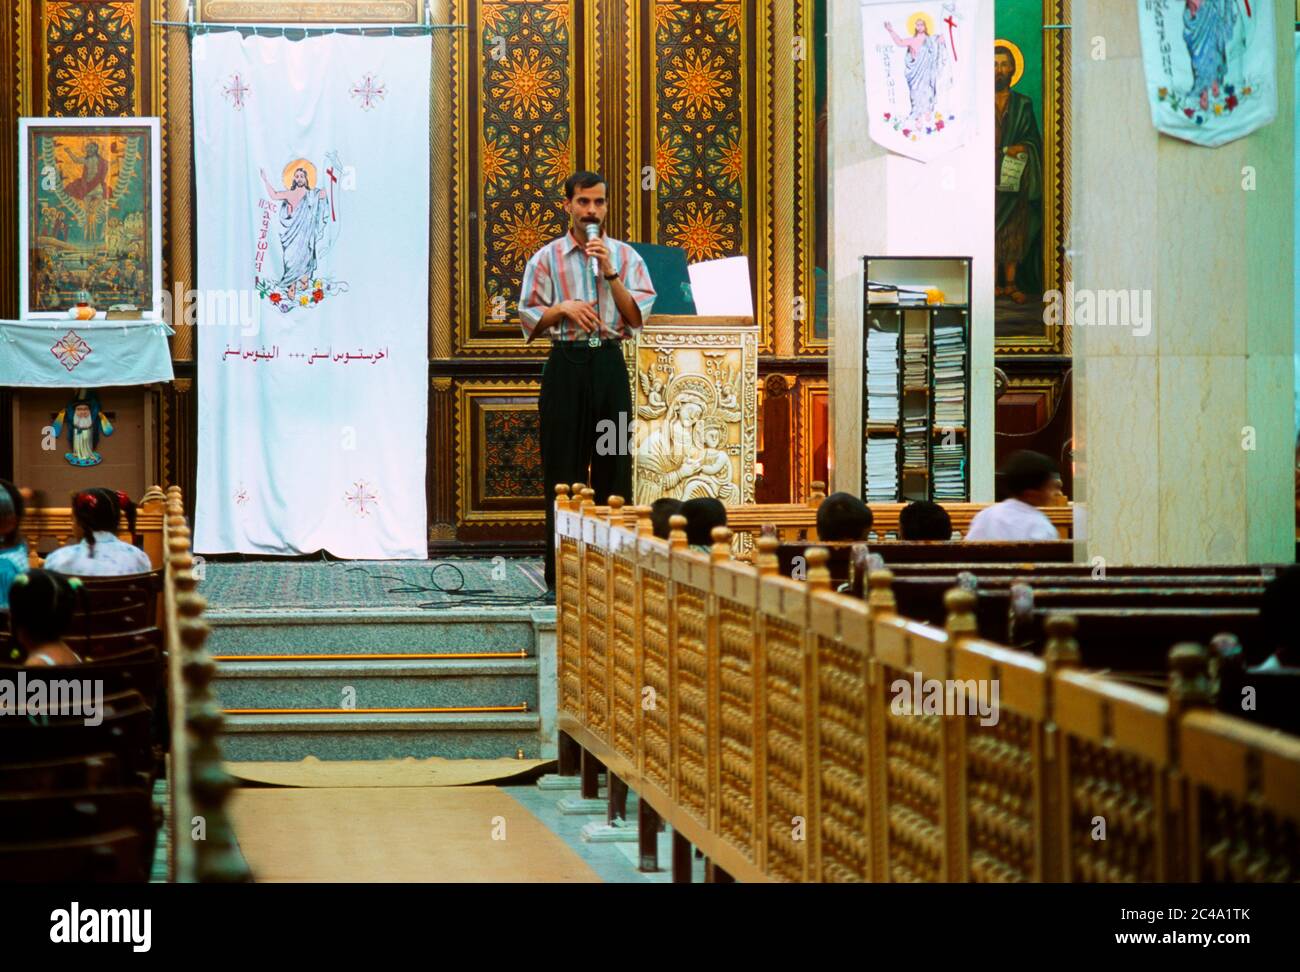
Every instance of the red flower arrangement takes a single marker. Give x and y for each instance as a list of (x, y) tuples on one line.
[(318, 295), (275, 298)]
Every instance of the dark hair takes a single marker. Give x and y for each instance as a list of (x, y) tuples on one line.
[(1276, 616), (582, 179), (660, 510), (842, 516), (102, 509), (702, 515), (923, 520), (41, 604), (1026, 470), (11, 504), (1003, 49)]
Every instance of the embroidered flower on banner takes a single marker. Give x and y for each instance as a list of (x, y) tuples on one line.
[(361, 498), (70, 349), (370, 91), (241, 495)]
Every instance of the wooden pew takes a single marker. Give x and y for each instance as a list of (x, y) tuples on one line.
[(897, 552), (108, 858), (124, 731), (90, 772), (770, 736)]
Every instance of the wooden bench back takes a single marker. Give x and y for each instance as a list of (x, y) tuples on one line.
[(763, 717)]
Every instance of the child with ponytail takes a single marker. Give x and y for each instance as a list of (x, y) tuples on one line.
[(13, 549), (40, 609), (97, 514)]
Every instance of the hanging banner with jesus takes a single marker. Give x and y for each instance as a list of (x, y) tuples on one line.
[(312, 189), (1211, 67), (919, 63)]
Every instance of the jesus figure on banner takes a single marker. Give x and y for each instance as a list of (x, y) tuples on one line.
[(925, 59), (1207, 28), (305, 212)]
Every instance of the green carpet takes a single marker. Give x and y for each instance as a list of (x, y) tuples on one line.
[(398, 585)]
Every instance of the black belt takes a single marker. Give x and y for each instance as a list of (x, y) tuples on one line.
[(584, 343)]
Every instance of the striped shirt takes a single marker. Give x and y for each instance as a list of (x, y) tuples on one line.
[(561, 271)]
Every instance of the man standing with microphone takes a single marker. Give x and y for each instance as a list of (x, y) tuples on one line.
[(587, 292)]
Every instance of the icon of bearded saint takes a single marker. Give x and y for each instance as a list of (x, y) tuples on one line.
[(308, 217), (85, 422)]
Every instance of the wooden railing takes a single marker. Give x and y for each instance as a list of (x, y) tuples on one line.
[(202, 845), (761, 717)]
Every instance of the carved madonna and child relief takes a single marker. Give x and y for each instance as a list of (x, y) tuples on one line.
[(692, 438)]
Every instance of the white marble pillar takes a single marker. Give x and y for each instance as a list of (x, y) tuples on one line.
[(1183, 434), (886, 205)]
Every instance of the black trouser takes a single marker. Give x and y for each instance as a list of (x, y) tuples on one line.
[(581, 387)]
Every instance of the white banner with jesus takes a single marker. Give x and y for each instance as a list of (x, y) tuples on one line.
[(919, 63), (1211, 67), (312, 187)]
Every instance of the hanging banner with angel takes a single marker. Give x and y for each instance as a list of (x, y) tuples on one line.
[(1211, 67), (89, 215), (919, 61)]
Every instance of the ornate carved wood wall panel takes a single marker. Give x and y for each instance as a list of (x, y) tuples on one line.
[(702, 114)]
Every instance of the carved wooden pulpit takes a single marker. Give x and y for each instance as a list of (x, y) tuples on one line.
[(694, 395)]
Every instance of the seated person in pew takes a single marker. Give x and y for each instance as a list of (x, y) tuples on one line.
[(1276, 622), (97, 514), (660, 511), (40, 609), (924, 520), (702, 515), (1030, 480), (842, 516), (13, 549)]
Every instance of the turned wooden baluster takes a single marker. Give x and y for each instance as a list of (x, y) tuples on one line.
[(819, 576), (767, 562), (721, 549), (960, 605), (677, 531), (880, 594)]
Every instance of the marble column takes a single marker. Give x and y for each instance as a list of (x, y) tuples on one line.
[(881, 204), (1184, 437)]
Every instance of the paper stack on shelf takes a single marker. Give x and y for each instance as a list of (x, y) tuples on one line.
[(916, 434), (914, 352), (949, 376), (948, 472), (882, 469), (882, 378)]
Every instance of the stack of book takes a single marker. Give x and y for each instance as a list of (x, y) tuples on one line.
[(882, 469), (882, 378), (948, 472), (916, 433), (914, 352), (949, 376)]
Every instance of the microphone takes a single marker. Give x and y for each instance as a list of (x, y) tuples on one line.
[(593, 231)]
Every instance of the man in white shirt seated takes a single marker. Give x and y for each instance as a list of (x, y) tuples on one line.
[(1030, 480)]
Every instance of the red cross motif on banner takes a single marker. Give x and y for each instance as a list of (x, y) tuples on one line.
[(70, 349), (370, 90), (951, 42)]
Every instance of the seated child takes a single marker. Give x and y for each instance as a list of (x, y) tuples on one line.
[(97, 514)]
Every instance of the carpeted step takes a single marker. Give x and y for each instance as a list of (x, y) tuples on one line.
[(373, 631), (418, 683), (358, 735)]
